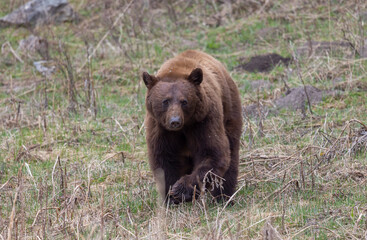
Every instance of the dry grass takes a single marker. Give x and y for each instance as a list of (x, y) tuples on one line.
[(73, 162)]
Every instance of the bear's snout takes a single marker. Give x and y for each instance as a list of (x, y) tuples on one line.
[(175, 122)]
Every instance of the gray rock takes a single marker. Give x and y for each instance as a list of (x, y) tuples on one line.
[(33, 44), (297, 99), (46, 68), (294, 99), (260, 85), (39, 12), (255, 111)]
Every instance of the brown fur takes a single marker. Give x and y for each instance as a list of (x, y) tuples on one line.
[(193, 125)]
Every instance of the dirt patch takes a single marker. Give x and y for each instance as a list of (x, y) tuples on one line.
[(263, 63)]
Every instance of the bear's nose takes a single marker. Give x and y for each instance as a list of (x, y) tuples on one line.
[(175, 122)]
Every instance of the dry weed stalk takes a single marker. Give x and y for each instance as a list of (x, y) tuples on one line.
[(12, 218), (102, 213), (12, 215), (340, 145), (68, 71), (299, 74), (90, 92), (106, 34)]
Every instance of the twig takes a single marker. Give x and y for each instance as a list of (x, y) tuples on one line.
[(52, 176), (281, 190), (69, 73), (303, 82), (30, 174), (39, 211), (300, 231), (346, 125), (111, 156), (102, 221), (105, 35), (12, 177), (12, 215), (356, 120), (356, 52), (123, 228), (12, 51), (262, 220)]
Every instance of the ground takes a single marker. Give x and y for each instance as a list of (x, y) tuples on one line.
[(73, 156)]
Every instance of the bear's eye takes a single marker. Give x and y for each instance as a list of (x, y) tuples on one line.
[(165, 102), (183, 102)]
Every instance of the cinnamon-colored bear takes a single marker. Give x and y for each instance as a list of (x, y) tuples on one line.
[(193, 126)]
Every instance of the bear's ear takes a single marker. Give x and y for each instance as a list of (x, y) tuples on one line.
[(196, 76), (149, 80)]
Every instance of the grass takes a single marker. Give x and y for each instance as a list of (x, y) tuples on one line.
[(79, 175)]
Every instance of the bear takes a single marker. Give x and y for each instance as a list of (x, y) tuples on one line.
[(193, 127)]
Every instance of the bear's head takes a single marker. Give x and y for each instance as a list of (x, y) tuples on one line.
[(174, 101)]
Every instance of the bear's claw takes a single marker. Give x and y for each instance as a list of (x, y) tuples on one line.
[(181, 192)]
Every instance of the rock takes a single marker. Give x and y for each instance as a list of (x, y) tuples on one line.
[(324, 48), (39, 12), (295, 99), (46, 68), (263, 63), (260, 85), (255, 111), (33, 44)]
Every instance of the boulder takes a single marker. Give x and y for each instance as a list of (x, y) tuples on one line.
[(39, 12)]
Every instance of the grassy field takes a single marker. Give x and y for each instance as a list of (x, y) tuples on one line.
[(73, 157)]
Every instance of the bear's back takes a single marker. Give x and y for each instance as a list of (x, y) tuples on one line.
[(216, 76), (183, 64)]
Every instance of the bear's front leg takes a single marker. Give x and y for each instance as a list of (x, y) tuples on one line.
[(213, 155), (185, 188), (166, 174), (163, 149)]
